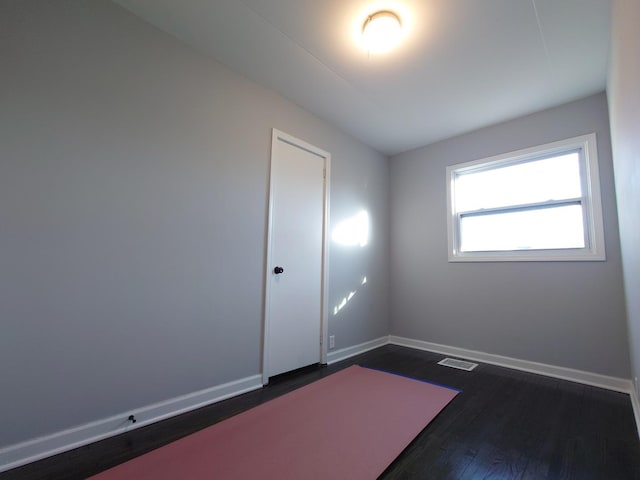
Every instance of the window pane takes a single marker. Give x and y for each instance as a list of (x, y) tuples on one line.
[(556, 178), (540, 229)]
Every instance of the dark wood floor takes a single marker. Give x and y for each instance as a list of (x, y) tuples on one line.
[(505, 425)]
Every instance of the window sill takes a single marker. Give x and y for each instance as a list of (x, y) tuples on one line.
[(532, 256)]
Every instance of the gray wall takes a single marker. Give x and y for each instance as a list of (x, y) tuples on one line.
[(624, 108), (133, 206), (568, 314)]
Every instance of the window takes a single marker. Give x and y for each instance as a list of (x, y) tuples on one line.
[(538, 204)]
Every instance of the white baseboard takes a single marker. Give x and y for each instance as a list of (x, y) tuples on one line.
[(344, 353), (579, 376), (46, 446)]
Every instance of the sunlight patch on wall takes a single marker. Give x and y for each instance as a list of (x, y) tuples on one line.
[(348, 298), (344, 302), (353, 232)]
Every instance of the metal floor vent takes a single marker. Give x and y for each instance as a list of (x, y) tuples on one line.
[(460, 364)]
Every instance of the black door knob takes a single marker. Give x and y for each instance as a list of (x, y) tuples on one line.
[(278, 270)]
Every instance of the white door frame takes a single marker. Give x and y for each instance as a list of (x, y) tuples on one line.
[(279, 136)]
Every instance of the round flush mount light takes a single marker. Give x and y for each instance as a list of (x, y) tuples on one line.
[(381, 31)]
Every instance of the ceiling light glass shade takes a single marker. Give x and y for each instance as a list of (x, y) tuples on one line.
[(381, 31)]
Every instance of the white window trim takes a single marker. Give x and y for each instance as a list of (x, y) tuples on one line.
[(595, 248)]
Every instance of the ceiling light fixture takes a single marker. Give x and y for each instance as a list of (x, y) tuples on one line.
[(381, 31)]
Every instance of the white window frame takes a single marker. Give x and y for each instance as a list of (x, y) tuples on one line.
[(590, 201)]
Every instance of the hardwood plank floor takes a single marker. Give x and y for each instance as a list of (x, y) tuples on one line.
[(506, 424)]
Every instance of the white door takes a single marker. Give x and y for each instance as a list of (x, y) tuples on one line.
[(294, 306)]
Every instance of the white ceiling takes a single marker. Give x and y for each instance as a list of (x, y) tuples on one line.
[(464, 64)]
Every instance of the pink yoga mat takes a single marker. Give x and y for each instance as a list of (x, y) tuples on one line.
[(351, 424)]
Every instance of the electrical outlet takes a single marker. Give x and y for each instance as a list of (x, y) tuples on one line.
[(332, 341)]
